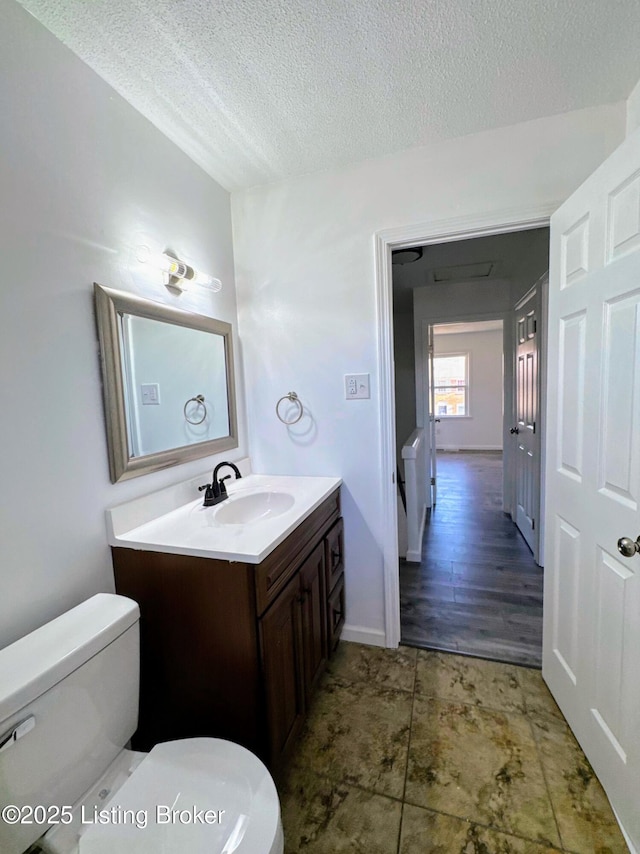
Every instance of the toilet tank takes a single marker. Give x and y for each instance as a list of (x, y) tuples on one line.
[(71, 689)]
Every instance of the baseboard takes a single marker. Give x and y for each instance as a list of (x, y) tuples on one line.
[(469, 448), (360, 634)]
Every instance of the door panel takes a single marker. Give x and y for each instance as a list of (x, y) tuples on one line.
[(613, 594), (571, 405), (314, 619), (526, 435), (592, 593), (281, 642), (567, 594), (620, 417)]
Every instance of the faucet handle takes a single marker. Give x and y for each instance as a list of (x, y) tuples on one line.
[(210, 495), (223, 488)]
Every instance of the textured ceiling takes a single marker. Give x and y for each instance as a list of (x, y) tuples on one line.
[(257, 90)]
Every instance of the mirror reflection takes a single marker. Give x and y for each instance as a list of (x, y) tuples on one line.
[(168, 383)]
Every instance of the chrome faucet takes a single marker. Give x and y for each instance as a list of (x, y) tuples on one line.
[(217, 491)]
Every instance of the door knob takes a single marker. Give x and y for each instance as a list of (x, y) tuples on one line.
[(628, 547), (514, 430)]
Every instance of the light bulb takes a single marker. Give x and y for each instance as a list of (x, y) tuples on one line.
[(178, 272), (207, 281)]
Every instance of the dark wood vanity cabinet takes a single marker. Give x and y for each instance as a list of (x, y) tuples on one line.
[(235, 650)]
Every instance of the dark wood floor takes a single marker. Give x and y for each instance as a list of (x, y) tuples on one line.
[(477, 590)]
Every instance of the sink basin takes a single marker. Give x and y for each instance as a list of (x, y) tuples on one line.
[(254, 507)]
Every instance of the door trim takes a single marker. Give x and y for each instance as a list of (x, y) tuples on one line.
[(385, 241)]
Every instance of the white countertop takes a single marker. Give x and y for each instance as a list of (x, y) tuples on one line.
[(191, 529)]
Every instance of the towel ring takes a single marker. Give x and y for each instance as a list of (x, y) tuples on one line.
[(292, 397), (199, 401)]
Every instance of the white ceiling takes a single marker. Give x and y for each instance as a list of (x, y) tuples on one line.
[(257, 90)]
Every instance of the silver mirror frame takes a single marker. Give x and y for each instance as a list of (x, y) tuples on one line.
[(110, 304)]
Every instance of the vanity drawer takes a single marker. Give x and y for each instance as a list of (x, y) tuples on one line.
[(334, 554), (276, 569), (335, 615)]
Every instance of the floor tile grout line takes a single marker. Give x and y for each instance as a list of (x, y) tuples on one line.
[(413, 703), (400, 827)]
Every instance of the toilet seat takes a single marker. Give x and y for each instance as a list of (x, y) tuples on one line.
[(198, 795)]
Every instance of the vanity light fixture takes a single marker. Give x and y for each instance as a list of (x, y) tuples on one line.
[(178, 274)]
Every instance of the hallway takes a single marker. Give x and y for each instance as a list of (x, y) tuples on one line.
[(477, 590)]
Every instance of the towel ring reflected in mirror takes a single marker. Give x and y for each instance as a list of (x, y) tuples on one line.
[(199, 402)]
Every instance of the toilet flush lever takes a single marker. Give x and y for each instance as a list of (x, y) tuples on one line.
[(8, 739)]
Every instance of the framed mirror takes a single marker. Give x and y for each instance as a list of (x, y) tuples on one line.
[(168, 383)]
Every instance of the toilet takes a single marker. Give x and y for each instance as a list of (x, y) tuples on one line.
[(68, 707)]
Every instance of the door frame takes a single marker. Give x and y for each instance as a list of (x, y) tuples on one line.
[(386, 241)]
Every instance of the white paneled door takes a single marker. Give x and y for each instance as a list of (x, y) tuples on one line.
[(591, 658), (526, 430)]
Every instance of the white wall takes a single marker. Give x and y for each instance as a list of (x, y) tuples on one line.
[(482, 429), (304, 253), (81, 174), (633, 109)]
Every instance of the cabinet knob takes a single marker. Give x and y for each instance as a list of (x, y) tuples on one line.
[(335, 556)]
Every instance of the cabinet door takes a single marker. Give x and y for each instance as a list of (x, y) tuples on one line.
[(334, 551), (335, 615), (281, 633), (314, 620)]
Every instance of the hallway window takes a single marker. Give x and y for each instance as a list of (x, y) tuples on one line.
[(451, 385)]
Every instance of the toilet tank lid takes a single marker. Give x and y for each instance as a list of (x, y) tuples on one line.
[(41, 659)]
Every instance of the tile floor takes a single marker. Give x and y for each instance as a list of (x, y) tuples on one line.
[(417, 752)]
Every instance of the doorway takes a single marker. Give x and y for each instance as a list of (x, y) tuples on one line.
[(457, 285)]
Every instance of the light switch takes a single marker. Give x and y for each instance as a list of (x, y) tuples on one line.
[(150, 394), (356, 386)]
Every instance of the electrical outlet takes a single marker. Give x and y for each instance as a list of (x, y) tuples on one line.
[(356, 386), (150, 394)]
